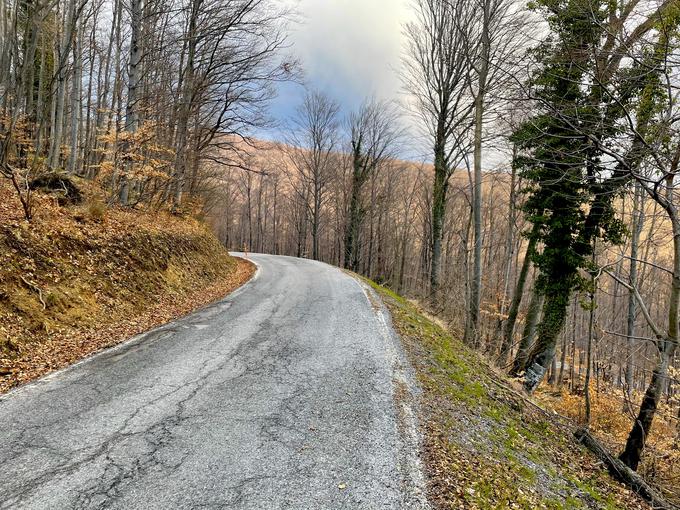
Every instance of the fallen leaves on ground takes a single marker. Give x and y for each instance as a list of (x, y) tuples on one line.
[(72, 283)]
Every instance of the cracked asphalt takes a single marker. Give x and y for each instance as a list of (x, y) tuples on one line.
[(282, 395)]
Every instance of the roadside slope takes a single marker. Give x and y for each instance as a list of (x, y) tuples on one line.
[(81, 278), (485, 445)]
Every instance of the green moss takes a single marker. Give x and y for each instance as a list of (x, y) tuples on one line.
[(385, 291), (527, 474), (496, 452), (495, 412), (488, 494), (570, 503)]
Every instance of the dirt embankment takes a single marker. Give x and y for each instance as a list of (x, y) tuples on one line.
[(81, 278)]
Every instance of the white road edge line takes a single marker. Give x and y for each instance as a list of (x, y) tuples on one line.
[(411, 464)]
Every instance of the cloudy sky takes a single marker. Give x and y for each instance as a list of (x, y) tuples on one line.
[(350, 49)]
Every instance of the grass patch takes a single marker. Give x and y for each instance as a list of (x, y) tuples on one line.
[(486, 446)]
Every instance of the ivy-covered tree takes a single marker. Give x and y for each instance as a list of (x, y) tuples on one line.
[(554, 160), (572, 152)]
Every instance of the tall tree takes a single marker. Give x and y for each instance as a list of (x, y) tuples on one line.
[(569, 143), (636, 230), (374, 133), (313, 140), (133, 100), (492, 46), (437, 74)]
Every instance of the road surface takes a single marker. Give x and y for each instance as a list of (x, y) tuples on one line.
[(292, 392)]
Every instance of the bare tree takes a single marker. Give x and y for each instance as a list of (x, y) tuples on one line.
[(313, 140), (374, 134), (492, 46), (437, 75)]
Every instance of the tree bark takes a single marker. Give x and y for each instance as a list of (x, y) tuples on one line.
[(554, 315), (75, 101), (666, 347), (60, 85), (132, 106), (354, 220), (638, 221), (440, 188), (186, 101), (472, 337), (527, 340), (509, 329), (637, 438)]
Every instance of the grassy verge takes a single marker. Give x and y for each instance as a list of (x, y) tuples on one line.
[(485, 445)]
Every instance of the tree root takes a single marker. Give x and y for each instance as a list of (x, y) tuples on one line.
[(37, 289)]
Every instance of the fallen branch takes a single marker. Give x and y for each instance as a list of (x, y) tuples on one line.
[(623, 473), (35, 288)]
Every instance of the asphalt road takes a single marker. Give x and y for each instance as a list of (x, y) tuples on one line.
[(293, 392)]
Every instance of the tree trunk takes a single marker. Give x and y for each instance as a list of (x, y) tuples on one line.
[(438, 210), (554, 314), (316, 220), (638, 221), (527, 340), (589, 353), (638, 436), (509, 255), (621, 472), (186, 103), (132, 107), (75, 101), (354, 220), (472, 336), (508, 331), (60, 84), (563, 361), (58, 124)]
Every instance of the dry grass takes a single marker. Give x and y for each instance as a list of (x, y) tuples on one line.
[(76, 280), (611, 421)]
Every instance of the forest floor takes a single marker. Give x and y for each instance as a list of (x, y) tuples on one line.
[(81, 278), (612, 416), (486, 445)]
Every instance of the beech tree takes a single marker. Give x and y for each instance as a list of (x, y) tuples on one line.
[(374, 134), (437, 74), (492, 45)]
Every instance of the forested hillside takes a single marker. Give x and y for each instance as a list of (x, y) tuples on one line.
[(108, 112)]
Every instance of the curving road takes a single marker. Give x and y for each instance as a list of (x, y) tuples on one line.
[(292, 392)]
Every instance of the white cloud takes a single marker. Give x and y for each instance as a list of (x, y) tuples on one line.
[(351, 48)]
